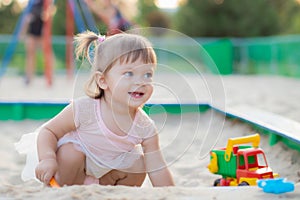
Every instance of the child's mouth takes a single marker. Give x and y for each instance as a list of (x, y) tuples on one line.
[(136, 94)]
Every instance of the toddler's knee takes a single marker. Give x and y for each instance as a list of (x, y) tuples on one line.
[(68, 155), (71, 165)]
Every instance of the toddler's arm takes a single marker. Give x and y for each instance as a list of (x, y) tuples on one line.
[(158, 172), (47, 143)]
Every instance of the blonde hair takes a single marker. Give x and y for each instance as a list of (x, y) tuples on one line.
[(103, 54)]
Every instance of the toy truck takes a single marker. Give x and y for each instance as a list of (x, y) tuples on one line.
[(240, 165)]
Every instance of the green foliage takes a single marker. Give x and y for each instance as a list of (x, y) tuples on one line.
[(289, 16), (150, 15), (215, 18), (158, 19), (59, 19), (10, 14), (221, 18), (145, 7)]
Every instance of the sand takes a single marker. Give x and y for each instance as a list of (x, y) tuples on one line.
[(185, 138)]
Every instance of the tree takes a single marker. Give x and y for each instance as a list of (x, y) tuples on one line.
[(10, 13), (150, 15), (289, 16), (145, 7), (219, 18)]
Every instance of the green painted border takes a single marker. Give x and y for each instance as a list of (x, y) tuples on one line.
[(40, 111), (274, 136), (29, 110), (46, 110)]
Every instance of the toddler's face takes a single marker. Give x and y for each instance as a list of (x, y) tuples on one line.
[(130, 83)]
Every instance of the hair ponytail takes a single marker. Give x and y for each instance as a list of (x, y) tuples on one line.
[(83, 42)]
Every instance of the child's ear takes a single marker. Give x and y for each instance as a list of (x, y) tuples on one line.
[(100, 80)]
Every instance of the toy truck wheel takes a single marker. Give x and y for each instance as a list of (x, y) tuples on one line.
[(217, 182), (243, 184)]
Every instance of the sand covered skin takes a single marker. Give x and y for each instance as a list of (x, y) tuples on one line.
[(185, 140)]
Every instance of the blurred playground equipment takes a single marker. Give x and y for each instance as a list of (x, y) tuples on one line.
[(75, 11)]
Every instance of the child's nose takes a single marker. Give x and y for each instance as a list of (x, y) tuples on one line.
[(139, 81)]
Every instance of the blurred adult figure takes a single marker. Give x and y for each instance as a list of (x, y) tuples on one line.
[(35, 21)]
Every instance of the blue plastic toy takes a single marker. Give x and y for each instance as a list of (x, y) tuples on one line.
[(276, 186)]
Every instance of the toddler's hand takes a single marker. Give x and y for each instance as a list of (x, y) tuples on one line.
[(45, 170)]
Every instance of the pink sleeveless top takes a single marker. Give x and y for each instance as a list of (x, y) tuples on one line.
[(105, 150)]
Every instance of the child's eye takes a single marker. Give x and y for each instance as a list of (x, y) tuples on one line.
[(148, 75), (128, 74)]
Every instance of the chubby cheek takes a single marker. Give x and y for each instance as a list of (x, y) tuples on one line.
[(120, 86), (149, 90)]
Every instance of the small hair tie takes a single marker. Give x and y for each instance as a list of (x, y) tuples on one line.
[(101, 38)]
